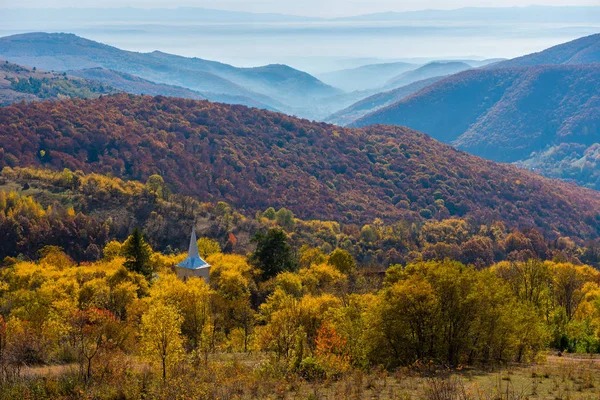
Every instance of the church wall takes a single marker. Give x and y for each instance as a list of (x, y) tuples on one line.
[(186, 273)]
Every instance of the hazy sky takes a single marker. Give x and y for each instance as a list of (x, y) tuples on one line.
[(322, 8)]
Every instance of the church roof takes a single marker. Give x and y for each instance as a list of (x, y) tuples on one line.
[(193, 260)]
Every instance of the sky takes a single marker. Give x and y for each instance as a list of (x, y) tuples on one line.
[(313, 8)]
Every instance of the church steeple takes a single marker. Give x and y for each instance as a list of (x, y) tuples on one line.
[(193, 260), (193, 250)]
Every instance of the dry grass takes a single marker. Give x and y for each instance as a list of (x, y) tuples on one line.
[(557, 378), (249, 376)]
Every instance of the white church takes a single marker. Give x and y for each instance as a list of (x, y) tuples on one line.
[(193, 265)]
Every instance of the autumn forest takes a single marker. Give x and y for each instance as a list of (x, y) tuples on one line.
[(325, 262)]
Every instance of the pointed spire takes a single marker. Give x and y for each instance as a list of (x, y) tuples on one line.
[(193, 250), (193, 260)]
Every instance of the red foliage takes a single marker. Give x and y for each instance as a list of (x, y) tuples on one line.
[(254, 159)]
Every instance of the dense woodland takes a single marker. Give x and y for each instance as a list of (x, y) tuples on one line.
[(255, 159), (125, 327), (83, 212)]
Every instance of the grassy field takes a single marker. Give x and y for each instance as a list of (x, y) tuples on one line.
[(566, 377), (556, 378)]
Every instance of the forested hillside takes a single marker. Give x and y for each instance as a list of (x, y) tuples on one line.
[(512, 114), (255, 159), (132, 84), (19, 83), (83, 212)]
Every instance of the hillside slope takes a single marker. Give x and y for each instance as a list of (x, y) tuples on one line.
[(509, 115), (254, 159), (377, 101), (18, 83), (427, 71), (585, 50), (134, 84), (280, 82)]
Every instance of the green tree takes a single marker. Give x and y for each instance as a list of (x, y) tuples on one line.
[(270, 213), (342, 261), (156, 185), (368, 234), (273, 253), (285, 219), (137, 254)]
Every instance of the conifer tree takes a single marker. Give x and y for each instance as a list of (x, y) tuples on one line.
[(273, 253), (137, 254)]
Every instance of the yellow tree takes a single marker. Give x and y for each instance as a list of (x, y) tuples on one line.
[(568, 284), (2, 347), (281, 312), (207, 246), (529, 280), (232, 283), (161, 336), (323, 278)]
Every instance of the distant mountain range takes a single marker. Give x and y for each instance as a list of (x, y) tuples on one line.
[(367, 76), (66, 17), (254, 159), (583, 14), (540, 111), (398, 87), (378, 77), (274, 86), (517, 111)]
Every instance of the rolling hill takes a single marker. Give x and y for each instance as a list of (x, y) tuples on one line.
[(585, 50), (504, 114), (431, 70), (280, 82), (377, 101), (544, 117), (18, 83), (254, 159), (275, 86), (134, 84)]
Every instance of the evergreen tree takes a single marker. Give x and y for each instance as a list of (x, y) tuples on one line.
[(137, 254), (273, 253)]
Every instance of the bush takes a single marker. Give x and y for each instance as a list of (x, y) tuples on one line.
[(311, 370)]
